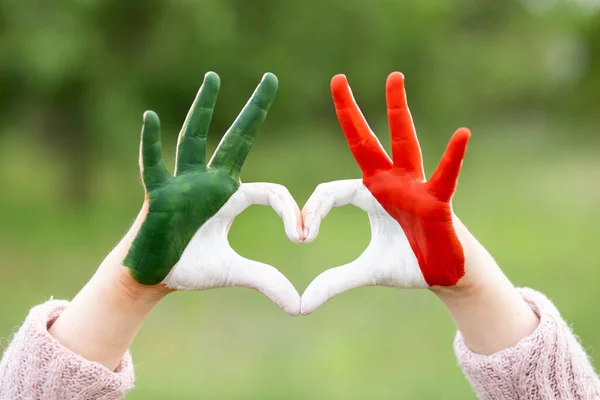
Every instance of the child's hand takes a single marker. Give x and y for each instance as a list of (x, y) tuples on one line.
[(182, 241), (414, 243)]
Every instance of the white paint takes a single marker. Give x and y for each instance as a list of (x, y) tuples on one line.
[(388, 260), (210, 262)]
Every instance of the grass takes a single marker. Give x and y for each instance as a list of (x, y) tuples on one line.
[(531, 201)]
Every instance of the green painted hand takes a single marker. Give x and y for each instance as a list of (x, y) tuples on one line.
[(182, 241)]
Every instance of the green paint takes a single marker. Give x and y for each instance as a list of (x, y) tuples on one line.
[(235, 146), (180, 204)]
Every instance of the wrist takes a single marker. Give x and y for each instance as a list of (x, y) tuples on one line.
[(491, 316), (480, 269), (119, 277), (118, 285), (485, 306), (103, 319), (473, 284), (473, 290)]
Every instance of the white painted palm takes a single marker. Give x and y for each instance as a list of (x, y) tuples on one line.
[(388, 260), (210, 262)]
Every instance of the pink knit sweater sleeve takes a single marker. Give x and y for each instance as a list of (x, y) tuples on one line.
[(548, 364), (37, 366)]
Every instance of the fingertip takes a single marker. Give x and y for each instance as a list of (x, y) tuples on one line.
[(150, 116), (295, 303), (292, 218), (295, 235), (293, 310), (342, 94), (396, 101), (338, 83), (293, 313), (310, 301), (212, 78), (150, 124), (270, 79), (306, 235), (311, 229), (339, 79), (299, 237), (305, 229), (460, 138), (306, 305), (211, 75), (463, 132), (293, 228), (299, 231), (266, 91), (395, 78), (305, 310), (285, 297), (314, 295)]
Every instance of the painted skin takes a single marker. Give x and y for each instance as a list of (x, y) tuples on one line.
[(414, 242), (183, 239)]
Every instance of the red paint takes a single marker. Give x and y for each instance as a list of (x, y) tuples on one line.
[(423, 208)]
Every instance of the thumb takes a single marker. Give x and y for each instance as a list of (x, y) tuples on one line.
[(267, 280), (335, 281)]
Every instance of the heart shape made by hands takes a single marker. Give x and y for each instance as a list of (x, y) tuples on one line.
[(415, 241), (209, 261)]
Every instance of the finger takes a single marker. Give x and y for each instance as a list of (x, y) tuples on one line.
[(324, 198), (336, 281), (191, 146), (282, 202), (444, 179), (235, 145), (267, 280), (364, 145), (153, 168), (406, 152)]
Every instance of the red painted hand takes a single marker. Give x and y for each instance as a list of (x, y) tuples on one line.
[(422, 208), (414, 243)]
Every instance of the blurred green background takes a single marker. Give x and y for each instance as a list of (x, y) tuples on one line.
[(76, 76)]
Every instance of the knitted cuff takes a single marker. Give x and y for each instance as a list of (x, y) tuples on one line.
[(36, 366)]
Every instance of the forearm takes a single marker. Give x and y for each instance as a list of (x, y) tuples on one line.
[(103, 319), (486, 308)]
